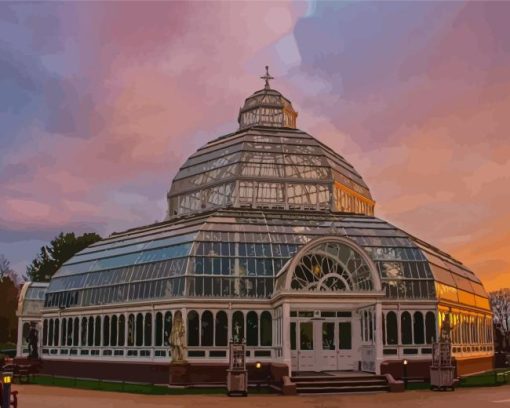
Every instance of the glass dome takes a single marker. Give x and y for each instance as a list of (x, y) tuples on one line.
[(264, 167)]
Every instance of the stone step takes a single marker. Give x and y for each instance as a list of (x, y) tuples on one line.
[(341, 389), (340, 383), (338, 378)]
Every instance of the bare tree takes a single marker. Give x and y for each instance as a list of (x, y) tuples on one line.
[(500, 303), (5, 267)]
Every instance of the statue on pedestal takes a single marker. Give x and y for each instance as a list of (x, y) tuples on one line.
[(178, 339)]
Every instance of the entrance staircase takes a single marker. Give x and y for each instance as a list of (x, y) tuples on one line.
[(334, 384)]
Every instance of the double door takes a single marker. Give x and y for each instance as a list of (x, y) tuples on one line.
[(321, 345)]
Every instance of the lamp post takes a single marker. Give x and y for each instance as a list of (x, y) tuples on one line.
[(258, 366), (6, 384), (404, 363)]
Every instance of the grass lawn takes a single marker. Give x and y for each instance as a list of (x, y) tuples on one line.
[(489, 379), (133, 388)]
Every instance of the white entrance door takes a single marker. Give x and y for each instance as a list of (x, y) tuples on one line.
[(307, 342), (322, 345), (327, 348)]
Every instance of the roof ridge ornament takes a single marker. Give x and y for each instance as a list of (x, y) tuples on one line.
[(267, 78)]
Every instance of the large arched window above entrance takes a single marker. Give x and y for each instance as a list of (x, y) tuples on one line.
[(332, 264)]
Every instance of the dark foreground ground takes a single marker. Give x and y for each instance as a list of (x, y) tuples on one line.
[(35, 396)]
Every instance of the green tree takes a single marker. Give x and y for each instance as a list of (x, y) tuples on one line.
[(8, 302), (52, 256)]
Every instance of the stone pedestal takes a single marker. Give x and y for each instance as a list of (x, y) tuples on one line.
[(179, 373)]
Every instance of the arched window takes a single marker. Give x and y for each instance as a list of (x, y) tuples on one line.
[(332, 266), (45, 332), (97, 340), (252, 329), (69, 331), (430, 327), (419, 330), (91, 332), (406, 330), (238, 326), (167, 328), (207, 335), (51, 333), (122, 331), (391, 327), (106, 331), (63, 332), (139, 330), (193, 328), (221, 329), (76, 333), (158, 341), (131, 330), (113, 331), (56, 332), (266, 329), (83, 331), (148, 330)]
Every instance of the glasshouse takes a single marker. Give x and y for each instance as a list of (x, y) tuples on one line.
[(270, 238)]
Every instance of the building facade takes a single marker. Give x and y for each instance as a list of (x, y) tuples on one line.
[(270, 237)]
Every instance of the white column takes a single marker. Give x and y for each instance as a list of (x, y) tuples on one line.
[(378, 338), (19, 345), (287, 359), (153, 335)]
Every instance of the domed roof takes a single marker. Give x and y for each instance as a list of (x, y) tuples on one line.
[(265, 167), (268, 163)]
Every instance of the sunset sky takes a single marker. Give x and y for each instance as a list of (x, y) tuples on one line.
[(100, 103)]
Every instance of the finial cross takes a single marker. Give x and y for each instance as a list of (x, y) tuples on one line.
[(267, 77)]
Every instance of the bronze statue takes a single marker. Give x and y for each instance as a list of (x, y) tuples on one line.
[(178, 339)]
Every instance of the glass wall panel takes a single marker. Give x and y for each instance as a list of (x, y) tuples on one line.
[(97, 337), (122, 331), (419, 328), (345, 335), (252, 329), (207, 335), (147, 337), (63, 332), (139, 329), (221, 329), (106, 331), (69, 331), (430, 323), (238, 326), (45, 332), (406, 328), (167, 328), (76, 332), (193, 328), (90, 332), (158, 341), (266, 329), (51, 336), (114, 331), (131, 331), (84, 335)]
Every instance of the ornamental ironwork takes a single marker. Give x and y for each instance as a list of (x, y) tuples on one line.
[(332, 266)]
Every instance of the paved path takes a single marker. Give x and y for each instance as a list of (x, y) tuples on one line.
[(35, 396)]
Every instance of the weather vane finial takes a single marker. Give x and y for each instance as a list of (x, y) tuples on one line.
[(267, 77)]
